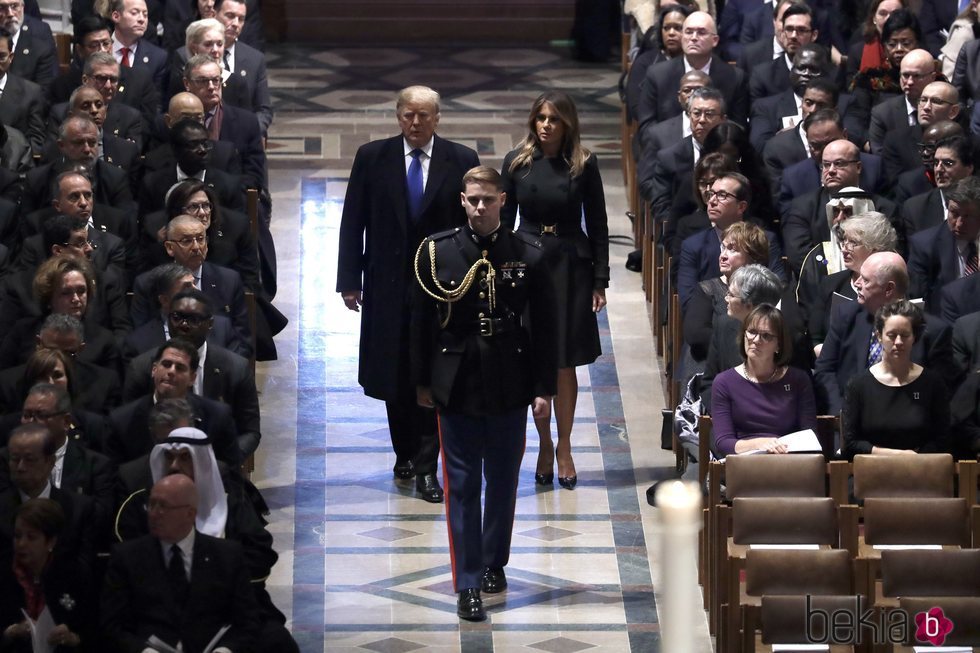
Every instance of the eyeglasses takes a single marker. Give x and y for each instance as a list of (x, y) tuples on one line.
[(106, 79), (765, 336), (939, 102), (104, 44), (700, 32), (204, 145), (802, 31), (848, 244), (720, 195), (944, 163), (79, 244), (707, 114), (39, 416), (207, 81), (706, 183), (926, 148), (191, 319), (839, 163), (197, 207), (188, 241)]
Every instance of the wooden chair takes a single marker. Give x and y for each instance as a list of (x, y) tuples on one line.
[(920, 476), (62, 41), (787, 573), (252, 208), (963, 611)]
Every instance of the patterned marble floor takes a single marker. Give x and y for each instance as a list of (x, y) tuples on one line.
[(363, 564)]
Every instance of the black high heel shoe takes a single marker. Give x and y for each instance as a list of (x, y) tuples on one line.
[(544, 479), (568, 482)]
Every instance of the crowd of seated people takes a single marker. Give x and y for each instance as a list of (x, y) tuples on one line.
[(847, 133), (136, 278)]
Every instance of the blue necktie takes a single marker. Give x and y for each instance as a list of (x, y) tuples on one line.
[(874, 349), (415, 188)]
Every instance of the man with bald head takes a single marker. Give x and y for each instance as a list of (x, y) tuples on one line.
[(918, 69), (177, 584), (187, 106), (937, 101), (805, 224), (850, 346), (698, 41)]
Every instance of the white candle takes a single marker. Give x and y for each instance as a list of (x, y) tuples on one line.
[(679, 512)]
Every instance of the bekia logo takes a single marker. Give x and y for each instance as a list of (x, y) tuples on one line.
[(932, 626)]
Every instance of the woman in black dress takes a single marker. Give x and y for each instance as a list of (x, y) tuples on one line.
[(553, 181)]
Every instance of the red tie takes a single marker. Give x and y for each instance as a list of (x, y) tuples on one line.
[(125, 57)]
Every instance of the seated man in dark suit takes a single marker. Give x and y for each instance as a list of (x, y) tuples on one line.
[(174, 370), (952, 161), (37, 58), (186, 242), (243, 60), (805, 224), (161, 155), (192, 151), (661, 135), (164, 283), (727, 204), (785, 108), (918, 70), (822, 128), (78, 141), (207, 37), (77, 469), (222, 375), (947, 252), (849, 348), (789, 145), (22, 104), (938, 101), (129, 47), (177, 585), (923, 178), (698, 40), (32, 454), (796, 34), (225, 509)]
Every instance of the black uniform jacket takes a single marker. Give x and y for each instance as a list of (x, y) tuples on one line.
[(485, 360)]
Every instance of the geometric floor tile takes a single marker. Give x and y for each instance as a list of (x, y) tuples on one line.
[(549, 533), (562, 644), (395, 645), (389, 533)]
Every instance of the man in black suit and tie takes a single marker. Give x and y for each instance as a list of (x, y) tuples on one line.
[(918, 70), (698, 40), (222, 375), (941, 254), (177, 585), (848, 348), (77, 469), (785, 108), (129, 48), (207, 37), (661, 135), (37, 56), (174, 369), (243, 61), (183, 106), (22, 103), (401, 189), (789, 145), (939, 101), (796, 32), (953, 160)]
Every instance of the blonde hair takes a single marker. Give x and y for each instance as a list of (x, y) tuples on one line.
[(418, 94), (196, 30), (571, 147)]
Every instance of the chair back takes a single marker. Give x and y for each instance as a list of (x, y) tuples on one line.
[(917, 521), (919, 476), (963, 611), (770, 520), (785, 619), (796, 475), (930, 572), (794, 572)]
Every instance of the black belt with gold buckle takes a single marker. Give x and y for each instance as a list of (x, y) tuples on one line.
[(491, 326)]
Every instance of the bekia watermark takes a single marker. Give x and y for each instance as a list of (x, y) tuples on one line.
[(884, 626)]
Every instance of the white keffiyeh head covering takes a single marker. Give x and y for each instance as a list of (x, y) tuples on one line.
[(859, 201), (212, 503)]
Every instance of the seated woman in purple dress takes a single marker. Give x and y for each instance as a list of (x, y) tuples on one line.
[(764, 398)]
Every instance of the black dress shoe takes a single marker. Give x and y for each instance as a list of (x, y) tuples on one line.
[(469, 605), (493, 580), (568, 482), (544, 479), (403, 468), (427, 486)]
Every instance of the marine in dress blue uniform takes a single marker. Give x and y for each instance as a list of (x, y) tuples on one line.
[(483, 349)]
